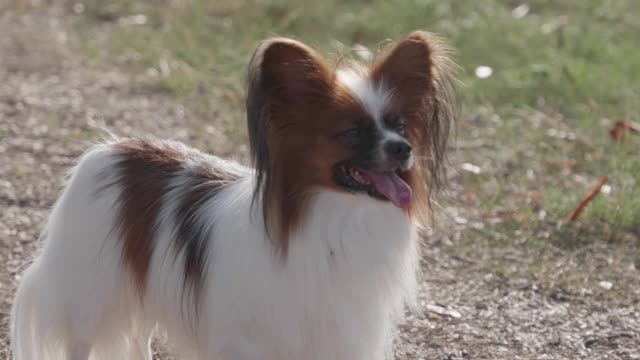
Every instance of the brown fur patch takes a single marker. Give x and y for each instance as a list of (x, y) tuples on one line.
[(194, 228), (143, 170)]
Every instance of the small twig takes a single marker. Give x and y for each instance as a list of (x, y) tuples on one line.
[(617, 132), (567, 72), (629, 126), (587, 199)]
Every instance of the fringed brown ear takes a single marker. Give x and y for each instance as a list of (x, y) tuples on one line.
[(286, 81), (291, 72), (418, 73)]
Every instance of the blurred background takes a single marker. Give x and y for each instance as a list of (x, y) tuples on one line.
[(549, 115)]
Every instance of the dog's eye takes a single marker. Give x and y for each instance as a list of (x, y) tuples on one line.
[(351, 134), (395, 123)]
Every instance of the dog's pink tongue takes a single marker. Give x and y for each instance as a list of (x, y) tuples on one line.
[(390, 185)]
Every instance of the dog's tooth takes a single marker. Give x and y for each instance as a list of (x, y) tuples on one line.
[(358, 176)]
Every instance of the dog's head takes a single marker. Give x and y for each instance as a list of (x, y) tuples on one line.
[(377, 130)]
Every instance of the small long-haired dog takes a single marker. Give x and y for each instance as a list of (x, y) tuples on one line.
[(309, 255)]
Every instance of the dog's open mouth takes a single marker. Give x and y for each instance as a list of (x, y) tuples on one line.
[(384, 185)]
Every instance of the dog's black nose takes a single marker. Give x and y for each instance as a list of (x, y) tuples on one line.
[(398, 149)]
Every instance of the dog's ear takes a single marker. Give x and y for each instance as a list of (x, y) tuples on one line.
[(286, 72), (285, 78), (407, 69), (417, 72), (287, 81)]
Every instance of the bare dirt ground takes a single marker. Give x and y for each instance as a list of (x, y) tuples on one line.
[(51, 103)]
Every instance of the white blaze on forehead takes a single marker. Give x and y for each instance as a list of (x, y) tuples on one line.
[(373, 98)]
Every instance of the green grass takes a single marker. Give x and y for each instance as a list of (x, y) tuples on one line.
[(562, 75)]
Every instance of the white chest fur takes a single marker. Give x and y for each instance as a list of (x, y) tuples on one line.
[(347, 274)]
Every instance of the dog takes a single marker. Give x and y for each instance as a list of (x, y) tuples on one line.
[(310, 254)]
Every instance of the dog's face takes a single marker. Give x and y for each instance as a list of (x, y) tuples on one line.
[(377, 154), (377, 131)]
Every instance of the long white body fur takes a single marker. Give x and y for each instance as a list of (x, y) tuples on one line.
[(348, 272)]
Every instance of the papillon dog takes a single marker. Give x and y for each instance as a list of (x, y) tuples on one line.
[(310, 254)]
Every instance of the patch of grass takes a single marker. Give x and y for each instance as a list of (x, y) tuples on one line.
[(563, 73), (175, 84)]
